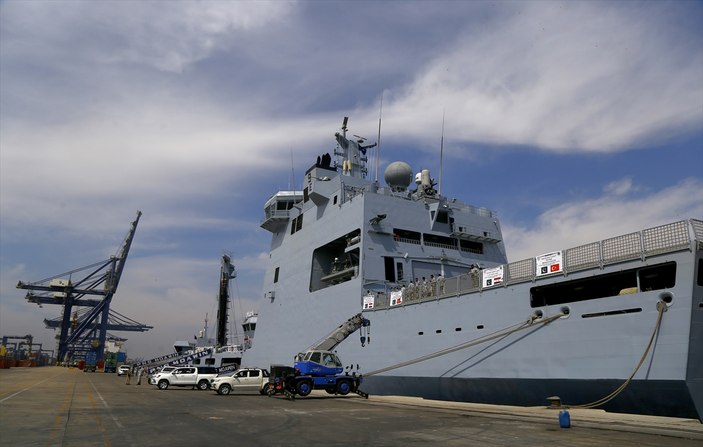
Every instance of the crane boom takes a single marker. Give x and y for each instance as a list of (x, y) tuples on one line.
[(341, 333)]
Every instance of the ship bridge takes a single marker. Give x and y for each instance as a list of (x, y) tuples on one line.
[(277, 209)]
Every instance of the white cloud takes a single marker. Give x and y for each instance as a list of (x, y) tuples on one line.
[(564, 76), (146, 33), (619, 187), (573, 224)]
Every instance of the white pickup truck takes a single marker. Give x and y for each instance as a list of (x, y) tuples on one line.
[(244, 379), (193, 376)]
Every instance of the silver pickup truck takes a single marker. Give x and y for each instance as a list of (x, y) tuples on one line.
[(244, 379), (193, 376)]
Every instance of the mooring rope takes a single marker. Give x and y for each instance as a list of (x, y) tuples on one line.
[(661, 307), (531, 322)]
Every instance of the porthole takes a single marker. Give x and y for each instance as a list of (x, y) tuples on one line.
[(667, 298), (566, 311)]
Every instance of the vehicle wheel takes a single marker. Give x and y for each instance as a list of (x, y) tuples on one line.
[(343, 387), (304, 387), (269, 389), (163, 384), (203, 385), (265, 389), (224, 389)]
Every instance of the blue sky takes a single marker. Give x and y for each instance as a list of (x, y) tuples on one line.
[(575, 121)]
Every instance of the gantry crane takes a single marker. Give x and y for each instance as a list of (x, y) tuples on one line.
[(86, 330)]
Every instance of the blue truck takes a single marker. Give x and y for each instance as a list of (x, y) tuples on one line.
[(91, 359), (318, 368)]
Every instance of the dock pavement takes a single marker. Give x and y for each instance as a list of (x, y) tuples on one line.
[(54, 406)]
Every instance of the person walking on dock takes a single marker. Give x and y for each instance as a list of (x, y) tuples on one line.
[(140, 371), (129, 376)]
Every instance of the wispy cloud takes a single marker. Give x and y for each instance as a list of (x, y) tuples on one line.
[(564, 76), (614, 213)]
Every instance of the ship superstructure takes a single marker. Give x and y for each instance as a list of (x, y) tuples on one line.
[(452, 319)]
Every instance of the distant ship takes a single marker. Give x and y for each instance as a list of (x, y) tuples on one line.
[(220, 352), (615, 324)]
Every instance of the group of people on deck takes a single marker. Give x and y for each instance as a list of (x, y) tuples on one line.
[(424, 288)]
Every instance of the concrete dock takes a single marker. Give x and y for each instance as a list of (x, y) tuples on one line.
[(65, 406)]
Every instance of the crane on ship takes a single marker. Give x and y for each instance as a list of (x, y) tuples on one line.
[(86, 329)]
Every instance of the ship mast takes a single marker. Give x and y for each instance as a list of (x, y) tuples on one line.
[(227, 272), (441, 153)]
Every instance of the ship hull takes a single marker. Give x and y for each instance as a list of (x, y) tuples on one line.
[(658, 397), (582, 356)]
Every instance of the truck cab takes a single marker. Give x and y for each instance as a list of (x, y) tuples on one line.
[(318, 363)]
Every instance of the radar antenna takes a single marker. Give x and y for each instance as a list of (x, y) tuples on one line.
[(378, 140), (441, 153)]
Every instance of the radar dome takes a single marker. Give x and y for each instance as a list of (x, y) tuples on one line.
[(398, 175)]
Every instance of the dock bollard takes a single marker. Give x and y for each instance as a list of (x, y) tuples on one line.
[(564, 419)]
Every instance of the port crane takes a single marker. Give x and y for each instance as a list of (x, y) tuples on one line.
[(86, 330)]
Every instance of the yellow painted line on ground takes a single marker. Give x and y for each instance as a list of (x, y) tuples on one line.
[(58, 420), (98, 420)]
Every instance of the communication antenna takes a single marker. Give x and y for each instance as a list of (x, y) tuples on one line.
[(378, 140), (291, 180), (441, 153)]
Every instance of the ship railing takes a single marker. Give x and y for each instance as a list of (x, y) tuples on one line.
[(669, 238), (229, 348), (407, 240), (440, 245)]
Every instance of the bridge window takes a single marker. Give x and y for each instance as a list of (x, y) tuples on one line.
[(471, 246), (433, 240), (410, 237)]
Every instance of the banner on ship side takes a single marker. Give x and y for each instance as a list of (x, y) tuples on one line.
[(549, 263), (492, 276), (184, 360), (396, 298)]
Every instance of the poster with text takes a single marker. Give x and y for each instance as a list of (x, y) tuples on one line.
[(369, 301), (396, 298), (549, 263), (492, 276)]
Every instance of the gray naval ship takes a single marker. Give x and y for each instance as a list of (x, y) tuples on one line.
[(615, 324)]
